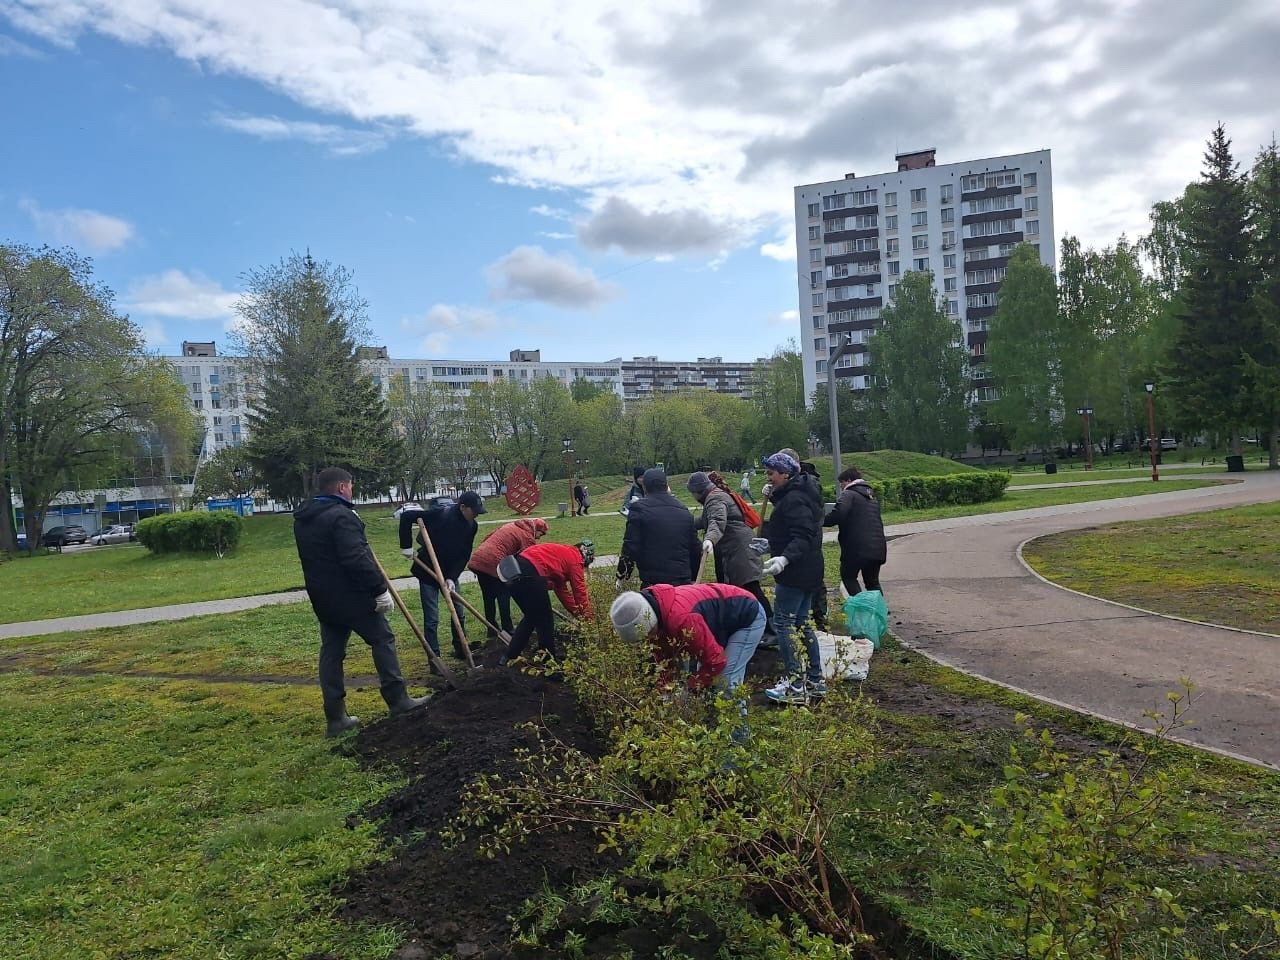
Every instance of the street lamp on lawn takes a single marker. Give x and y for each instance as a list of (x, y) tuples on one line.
[(1087, 413), (838, 351), (567, 445), (1151, 427)]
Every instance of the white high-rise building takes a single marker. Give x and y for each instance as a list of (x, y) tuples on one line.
[(857, 236)]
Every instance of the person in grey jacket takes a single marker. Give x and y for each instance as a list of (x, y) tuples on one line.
[(728, 538)]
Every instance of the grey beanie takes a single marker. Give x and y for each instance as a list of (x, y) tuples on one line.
[(633, 616), (699, 482)]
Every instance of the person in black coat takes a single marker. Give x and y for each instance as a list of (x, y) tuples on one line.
[(453, 534), (863, 549), (347, 592), (661, 539)]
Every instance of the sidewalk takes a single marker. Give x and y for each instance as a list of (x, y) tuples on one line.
[(961, 595)]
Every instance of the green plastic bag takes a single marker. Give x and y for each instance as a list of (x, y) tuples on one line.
[(867, 615)]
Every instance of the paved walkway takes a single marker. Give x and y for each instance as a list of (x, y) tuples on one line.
[(960, 594)]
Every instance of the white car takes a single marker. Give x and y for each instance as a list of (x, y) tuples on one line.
[(119, 533)]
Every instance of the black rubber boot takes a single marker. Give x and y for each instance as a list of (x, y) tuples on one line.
[(399, 701), (338, 721)]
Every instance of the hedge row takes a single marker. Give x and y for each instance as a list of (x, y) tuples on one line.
[(902, 493), (215, 531)]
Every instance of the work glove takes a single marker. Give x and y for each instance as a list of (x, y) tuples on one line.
[(765, 491), (775, 566), (619, 584), (707, 546), (407, 552), (383, 602), (451, 586)]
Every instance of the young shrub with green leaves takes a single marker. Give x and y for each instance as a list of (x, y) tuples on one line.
[(215, 532)]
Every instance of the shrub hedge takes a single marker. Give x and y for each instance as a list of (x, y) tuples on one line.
[(196, 531), (903, 493)]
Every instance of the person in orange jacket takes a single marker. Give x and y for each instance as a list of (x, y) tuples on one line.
[(529, 574), (508, 539)]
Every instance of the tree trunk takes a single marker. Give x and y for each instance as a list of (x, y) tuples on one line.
[(1274, 463), (8, 536)]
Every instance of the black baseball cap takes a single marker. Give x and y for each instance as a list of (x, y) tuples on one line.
[(471, 499)]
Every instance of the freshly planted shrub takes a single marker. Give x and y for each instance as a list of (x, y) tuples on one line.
[(903, 493), (214, 532)]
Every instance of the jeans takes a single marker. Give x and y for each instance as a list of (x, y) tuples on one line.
[(497, 600), (791, 609), (740, 648), (429, 591), (849, 576), (374, 630)]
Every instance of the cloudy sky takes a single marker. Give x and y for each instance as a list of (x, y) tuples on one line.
[(597, 179)]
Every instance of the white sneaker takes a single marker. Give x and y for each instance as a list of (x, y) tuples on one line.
[(788, 690)]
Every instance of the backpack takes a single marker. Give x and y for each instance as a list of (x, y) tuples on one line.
[(749, 515)]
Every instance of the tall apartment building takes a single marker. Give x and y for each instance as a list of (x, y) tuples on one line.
[(644, 377), (857, 236)]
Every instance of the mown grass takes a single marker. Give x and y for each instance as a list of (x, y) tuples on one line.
[(162, 819), (1219, 567)]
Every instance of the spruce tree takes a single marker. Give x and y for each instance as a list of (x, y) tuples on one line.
[(315, 406), (1217, 321), (1262, 358)]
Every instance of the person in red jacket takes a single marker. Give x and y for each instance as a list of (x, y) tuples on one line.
[(508, 539), (530, 574), (715, 624)]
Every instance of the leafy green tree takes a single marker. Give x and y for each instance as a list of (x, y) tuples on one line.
[(1262, 358), (920, 373), (428, 417), (76, 383), (1022, 353), (1218, 319), (216, 477), (583, 390), (780, 418), (510, 422), (852, 411), (301, 324)]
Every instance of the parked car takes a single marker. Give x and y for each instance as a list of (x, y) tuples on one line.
[(118, 533), (64, 536), (1164, 443)]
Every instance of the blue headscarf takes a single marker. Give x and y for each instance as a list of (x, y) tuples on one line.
[(781, 463)]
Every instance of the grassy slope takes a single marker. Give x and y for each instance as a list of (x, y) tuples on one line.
[(1221, 567)]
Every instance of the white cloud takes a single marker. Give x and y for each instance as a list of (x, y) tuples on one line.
[(155, 335), (530, 273), (10, 47), (555, 235), (444, 321), (435, 344), (341, 141), (620, 223), (723, 107), (181, 295), (94, 231), (555, 213), (787, 319)]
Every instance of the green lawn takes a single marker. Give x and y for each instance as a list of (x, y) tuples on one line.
[(1220, 567)]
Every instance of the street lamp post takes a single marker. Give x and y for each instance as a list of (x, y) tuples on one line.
[(837, 352), (1087, 413), (1151, 428), (567, 444)]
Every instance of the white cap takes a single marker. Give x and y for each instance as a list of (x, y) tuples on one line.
[(633, 616)]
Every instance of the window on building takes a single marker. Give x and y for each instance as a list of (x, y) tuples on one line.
[(837, 270), (215, 404), (833, 202), (948, 261), (870, 290), (949, 285), (918, 195), (813, 209), (893, 290), (1028, 179), (198, 403), (1033, 228), (195, 387), (820, 366), (920, 241), (817, 299), (817, 321), (891, 222), (891, 199), (944, 192), (948, 239), (1031, 204), (891, 245), (815, 254), (920, 219), (953, 308), (217, 421), (213, 378), (1036, 248), (815, 278), (819, 344), (815, 232), (948, 214), (920, 263), (218, 438), (895, 267)]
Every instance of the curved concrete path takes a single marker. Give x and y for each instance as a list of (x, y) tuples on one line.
[(961, 595)]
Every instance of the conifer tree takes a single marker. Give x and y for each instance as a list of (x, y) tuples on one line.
[(1262, 358)]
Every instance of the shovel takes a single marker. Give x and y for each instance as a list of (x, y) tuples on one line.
[(448, 597), (432, 657), (502, 634)]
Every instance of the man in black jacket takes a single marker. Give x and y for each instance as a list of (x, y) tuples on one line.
[(862, 544), (453, 533), (661, 538), (347, 593)]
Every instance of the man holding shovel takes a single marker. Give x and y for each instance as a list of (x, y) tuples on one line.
[(452, 531), (347, 592)]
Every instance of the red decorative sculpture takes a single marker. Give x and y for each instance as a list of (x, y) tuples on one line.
[(523, 492)]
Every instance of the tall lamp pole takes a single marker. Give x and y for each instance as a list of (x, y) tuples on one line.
[(838, 351), (1087, 413), (1151, 428), (567, 444)]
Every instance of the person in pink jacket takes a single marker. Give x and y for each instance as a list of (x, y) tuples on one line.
[(508, 539)]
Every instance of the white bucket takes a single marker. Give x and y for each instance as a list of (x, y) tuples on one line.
[(844, 658)]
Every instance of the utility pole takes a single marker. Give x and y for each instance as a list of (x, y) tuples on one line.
[(1151, 428), (570, 469), (1087, 413), (838, 351)]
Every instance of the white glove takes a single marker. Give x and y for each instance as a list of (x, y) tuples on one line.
[(618, 584), (775, 566), (707, 546), (451, 586), (765, 491), (407, 552), (383, 602)]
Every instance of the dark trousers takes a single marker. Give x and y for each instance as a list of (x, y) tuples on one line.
[(849, 576), (819, 609), (530, 593), (770, 631), (497, 599), (429, 592), (374, 630)]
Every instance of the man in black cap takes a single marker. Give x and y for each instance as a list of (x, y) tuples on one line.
[(452, 531), (660, 539)]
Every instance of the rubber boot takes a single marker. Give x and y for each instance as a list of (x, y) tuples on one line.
[(338, 721), (399, 701)]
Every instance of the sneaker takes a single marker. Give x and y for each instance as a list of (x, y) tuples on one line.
[(816, 688), (788, 691)]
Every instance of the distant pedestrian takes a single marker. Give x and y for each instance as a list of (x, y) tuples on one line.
[(585, 502), (744, 487), (660, 539), (452, 531), (530, 574), (347, 593), (636, 491), (508, 539), (863, 549)]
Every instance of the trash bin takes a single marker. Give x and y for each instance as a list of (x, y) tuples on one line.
[(563, 508), (1050, 467), (1235, 463)]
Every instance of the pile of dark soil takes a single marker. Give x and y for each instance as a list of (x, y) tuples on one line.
[(453, 901)]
